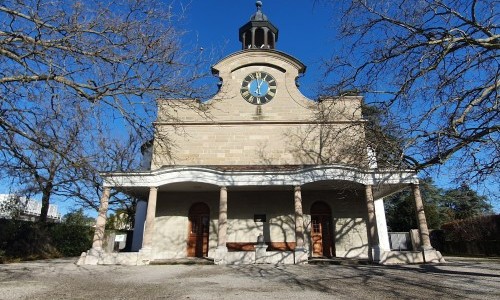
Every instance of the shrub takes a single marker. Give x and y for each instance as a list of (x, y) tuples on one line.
[(483, 228), (474, 236), (71, 240), (24, 240)]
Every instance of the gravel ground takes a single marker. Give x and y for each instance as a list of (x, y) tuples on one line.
[(62, 279)]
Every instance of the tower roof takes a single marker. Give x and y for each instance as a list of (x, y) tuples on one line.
[(259, 15), (259, 32)]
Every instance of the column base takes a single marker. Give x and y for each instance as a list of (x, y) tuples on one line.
[(220, 255), (432, 256), (260, 253), (394, 257), (92, 257), (145, 256)]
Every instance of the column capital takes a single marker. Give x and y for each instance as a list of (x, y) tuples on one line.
[(297, 187), (223, 187)]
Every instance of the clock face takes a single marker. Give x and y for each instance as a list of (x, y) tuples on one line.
[(258, 88)]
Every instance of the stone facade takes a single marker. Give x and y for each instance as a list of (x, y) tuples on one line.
[(294, 173), (289, 130)]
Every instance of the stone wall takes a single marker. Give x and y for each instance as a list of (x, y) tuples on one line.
[(348, 217), (259, 144), (171, 225), (290, 129)]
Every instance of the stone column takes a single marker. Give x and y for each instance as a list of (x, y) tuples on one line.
[(221, 250), (253, 37), (100, 225), (266, 42), (422, 222), (244, 40), (300, 251), (96, 254), (147, 241), (374, 249), (299, 218), (222, 217)]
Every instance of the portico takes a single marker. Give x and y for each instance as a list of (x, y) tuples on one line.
[(219, 186)]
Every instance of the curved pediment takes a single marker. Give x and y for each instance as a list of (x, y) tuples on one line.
[(287, 104), (252, 56)]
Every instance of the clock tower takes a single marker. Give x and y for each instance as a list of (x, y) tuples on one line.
[(259, 82)]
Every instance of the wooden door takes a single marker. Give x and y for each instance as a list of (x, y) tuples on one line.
[(199, 228), (321, 230)]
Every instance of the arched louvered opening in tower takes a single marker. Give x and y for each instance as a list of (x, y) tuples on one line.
[(259, 38)]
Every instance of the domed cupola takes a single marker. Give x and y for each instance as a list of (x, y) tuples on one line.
[(259, 33)]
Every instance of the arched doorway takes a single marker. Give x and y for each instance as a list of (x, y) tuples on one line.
[(321, 230), (199, 221)]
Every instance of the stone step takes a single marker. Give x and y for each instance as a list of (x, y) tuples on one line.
[(183, 261), (337, 261)]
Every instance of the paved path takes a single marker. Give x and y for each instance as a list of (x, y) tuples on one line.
[(62, 279)]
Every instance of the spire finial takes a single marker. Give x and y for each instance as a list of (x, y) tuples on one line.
[(258, 16)]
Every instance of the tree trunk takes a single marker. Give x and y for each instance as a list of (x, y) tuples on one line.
[(45, 203)]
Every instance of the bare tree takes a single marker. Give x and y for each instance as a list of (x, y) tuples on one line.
[(78, 147), (36, 168), (77, 79), (118, 53), (431, 67)]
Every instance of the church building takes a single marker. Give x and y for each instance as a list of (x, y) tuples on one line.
[(260, 173)]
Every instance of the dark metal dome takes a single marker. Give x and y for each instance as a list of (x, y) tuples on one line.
[(259, 15)]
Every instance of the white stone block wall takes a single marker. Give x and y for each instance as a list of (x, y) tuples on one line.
[(171, 224)]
